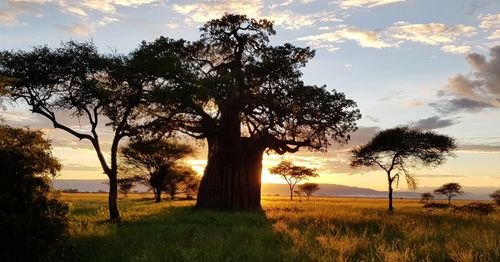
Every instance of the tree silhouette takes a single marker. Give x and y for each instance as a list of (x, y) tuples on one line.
[(496, 197), (292, 174), (33, 222), (309, 189), (246, 97), (426, 197), (449, 190), (126, 184), (155, 162), (401, 148), (75, 81)]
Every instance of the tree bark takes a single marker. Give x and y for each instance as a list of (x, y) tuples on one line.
[(157, 194), (114, 214), (232, 178), (391, 208)]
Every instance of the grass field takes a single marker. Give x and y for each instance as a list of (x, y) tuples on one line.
[(323, 229)]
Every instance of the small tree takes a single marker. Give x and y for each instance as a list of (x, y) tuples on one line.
[(190, 185), (309, 189), (33, 222), (426, 197), (126, 184), (449, 190), (496, 197), (292, 174), (401, 148), (155, 162), (299, 194)]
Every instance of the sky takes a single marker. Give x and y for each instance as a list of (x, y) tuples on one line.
[(431, 64)]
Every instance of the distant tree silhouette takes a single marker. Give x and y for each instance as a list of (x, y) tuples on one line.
[(309, 189), (449, 190), (155, 162), (75, 81), (126, 184), (190, 185), (180, 178), (299, 194), (32, 221), (245, 97), (496, 197), (292, 174), (401, 148), (426, 197)]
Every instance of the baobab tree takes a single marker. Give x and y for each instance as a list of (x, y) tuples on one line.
[(292, 174), (449, 190), (401, 148), (245, 97)]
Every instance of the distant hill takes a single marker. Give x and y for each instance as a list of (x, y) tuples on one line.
[(473, 193)]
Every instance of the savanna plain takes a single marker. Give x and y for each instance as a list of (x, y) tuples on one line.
[(321, 229)]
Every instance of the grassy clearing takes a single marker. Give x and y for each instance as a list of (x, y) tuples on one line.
[(323, 229)]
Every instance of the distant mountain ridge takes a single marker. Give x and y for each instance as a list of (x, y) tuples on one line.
[(474, 193)]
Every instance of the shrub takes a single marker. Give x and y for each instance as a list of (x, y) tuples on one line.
[(496, 197), (436, 205), (32, 222), (477, 208)]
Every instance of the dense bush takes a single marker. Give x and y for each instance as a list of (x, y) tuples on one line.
[(32, 221), (477, 208)]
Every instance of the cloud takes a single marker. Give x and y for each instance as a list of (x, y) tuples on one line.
[(370, 39), (85, 29), (459, 105), (454, 49), (489, 21), (201, 12), (346, 4), (430, 34), (434, 122), (109, 6), (480, 148), (478, 90)]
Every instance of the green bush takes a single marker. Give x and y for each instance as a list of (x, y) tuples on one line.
[(32, 222)]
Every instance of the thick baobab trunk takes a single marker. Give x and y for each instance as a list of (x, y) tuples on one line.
[(232, 178), (114, 214)]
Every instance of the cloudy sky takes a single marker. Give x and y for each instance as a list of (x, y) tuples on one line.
[(432, 64)]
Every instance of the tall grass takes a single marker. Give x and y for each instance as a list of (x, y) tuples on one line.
[(323, 229)]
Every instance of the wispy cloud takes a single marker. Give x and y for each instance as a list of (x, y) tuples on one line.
[(346, 4), (430, 34), (363, 38), (434, 122)]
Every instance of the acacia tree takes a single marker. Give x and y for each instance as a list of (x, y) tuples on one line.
[(244, 97), (426, 197), (125, 185), (77, 82), (449, 190), (292, 174), (155, 162), (309, 189), (401, 148)]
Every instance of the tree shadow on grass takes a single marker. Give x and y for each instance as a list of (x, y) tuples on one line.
[(184, 234)]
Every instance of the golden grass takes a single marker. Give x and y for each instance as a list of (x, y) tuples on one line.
[(322, 229)]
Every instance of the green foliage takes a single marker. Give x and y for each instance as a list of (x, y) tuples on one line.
[(449, 190), (33, 223), (496, 197)]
